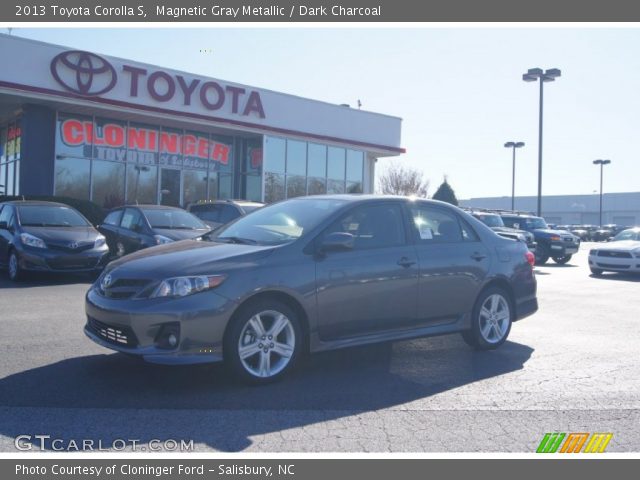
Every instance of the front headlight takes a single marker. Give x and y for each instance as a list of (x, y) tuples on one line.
[(31, 241), (636, 252), (100, 241), (593, 252), (183, 286), (161, 239), (554, 238)]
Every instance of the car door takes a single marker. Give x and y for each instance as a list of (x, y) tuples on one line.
[(373, 286), (110, 227), (131, 230), (453, 263), (6, 236)]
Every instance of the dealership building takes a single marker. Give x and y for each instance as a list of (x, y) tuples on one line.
[(84, 125)]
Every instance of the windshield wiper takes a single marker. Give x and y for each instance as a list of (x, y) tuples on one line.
[(240, 240)]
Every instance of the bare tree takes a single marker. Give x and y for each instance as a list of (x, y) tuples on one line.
[(401, 180)]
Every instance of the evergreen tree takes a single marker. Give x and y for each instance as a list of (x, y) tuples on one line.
[(445, 193)]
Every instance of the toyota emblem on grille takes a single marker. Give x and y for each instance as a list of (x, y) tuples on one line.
[(83, 72), (73, 245), (106, 281)]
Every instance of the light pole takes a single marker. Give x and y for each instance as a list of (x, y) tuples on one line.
[(534, 75), (602, 163), (513, 145)]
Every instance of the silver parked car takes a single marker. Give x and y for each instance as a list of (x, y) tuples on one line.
[(312, 274)]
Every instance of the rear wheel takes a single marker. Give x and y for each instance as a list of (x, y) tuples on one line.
[(490, 320), (15, 272), (542, 254), (596, 271), (263, 342), (562, 260)]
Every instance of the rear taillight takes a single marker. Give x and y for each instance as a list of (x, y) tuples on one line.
[(531, 258)]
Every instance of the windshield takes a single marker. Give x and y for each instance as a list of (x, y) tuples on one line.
[(627, 235), (490, 220), (50, 216), (173, 219), (279, 223)]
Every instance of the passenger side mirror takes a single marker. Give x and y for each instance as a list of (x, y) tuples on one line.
[(3, 226), (337, 241)]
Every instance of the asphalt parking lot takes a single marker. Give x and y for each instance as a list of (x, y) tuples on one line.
[(572, 367)]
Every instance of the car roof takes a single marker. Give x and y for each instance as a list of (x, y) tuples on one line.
[(149, 207), (41, 203)]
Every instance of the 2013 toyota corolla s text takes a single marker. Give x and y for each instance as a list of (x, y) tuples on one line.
[(311, 274)]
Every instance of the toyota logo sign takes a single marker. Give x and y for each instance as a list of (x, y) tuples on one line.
[(83, 72), (106, 282)]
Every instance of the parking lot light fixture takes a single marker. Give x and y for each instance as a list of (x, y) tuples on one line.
[(513, 145), (538, 75), (602, 163)]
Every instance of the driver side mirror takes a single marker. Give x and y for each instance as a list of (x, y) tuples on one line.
[(336, 242)]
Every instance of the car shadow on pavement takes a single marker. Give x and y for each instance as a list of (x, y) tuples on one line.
[(112, 396), (619, 277), (45, 280)]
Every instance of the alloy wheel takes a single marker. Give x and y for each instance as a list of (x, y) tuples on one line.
[(13, 266), (494, 318), (266, 344)]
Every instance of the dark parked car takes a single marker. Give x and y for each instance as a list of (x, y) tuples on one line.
[(48, 237), (602, 234), (495, 223), (557, 244), (134, 227), (312, 274), (221, 212)]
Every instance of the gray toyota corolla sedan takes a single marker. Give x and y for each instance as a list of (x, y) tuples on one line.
[(312, 274)]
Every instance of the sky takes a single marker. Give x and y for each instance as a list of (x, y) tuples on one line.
[(458, 90)]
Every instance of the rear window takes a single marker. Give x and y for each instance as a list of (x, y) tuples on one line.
[(173, 219)]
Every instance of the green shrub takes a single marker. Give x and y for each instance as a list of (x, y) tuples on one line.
[(94, 213)]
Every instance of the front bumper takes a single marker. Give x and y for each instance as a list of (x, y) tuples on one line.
[(631, 265), (558, 249), (46, 260), (135, 327)]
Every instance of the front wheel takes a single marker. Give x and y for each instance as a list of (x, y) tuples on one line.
[(596, 271), (263, 342), (542, 254), (490, 320), (15, 272), (562, 260)]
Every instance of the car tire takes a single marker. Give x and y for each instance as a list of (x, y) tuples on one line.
[(542, 254), (596, 271), (562, 260), (491, 320), (16, 273), (263, 342)]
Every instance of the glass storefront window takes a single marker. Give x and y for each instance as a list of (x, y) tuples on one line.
[(142, 184), (273, 187), (317, 186), (296, 158), (225, 186), (195, 150), (355, 165), (72, 178), (170, 147), (9, 180), (296, 186), (194, 187), (336, 163), (317, 163), (221, 154), (109, 140), (275, 154), (107, 184), (74, 136), (143, 142), (335, 186)]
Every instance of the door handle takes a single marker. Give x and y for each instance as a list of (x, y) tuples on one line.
[(406, 262), (478, 256)]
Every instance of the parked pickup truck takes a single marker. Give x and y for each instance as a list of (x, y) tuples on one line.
[(494, 221)]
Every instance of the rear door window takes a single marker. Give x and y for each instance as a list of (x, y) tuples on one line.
[(436, 225), (132, 219)]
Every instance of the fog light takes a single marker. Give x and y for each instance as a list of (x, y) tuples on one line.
[(168, 336), (172, 340)]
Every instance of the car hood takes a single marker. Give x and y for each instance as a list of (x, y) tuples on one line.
[(187, 257), (509, 230), (549, 231), (621, 245), (178, 234), (62, 235)]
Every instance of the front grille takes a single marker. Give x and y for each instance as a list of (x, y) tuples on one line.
[(71, 263), (81, 247), (123, 288), (117, 335), (611, 265), (568, 239), (613, 254)]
